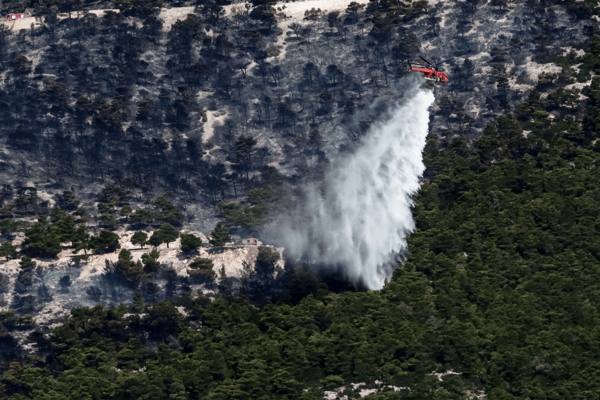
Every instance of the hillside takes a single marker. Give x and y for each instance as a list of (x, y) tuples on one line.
[(178, 122), (160, 107)]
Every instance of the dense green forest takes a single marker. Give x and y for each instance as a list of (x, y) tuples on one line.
[(502, 286)]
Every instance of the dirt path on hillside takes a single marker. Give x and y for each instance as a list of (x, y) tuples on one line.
[(294, 11)]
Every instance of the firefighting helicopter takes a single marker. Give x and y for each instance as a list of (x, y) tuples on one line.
[(430, 71)]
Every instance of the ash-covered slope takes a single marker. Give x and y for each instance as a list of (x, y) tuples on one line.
[(158, 101)]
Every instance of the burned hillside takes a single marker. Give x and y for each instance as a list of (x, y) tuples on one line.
[(125, 98)]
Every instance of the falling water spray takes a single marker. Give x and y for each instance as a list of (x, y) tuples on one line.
[(359, 217)]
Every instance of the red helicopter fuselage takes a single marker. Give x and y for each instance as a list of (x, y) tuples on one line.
[(431, 74)]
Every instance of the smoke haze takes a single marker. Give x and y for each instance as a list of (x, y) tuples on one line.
[(359, 217)]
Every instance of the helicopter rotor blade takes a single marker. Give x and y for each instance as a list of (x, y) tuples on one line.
[(445, 61), (428, 62)]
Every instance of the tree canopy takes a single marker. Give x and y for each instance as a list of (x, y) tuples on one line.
[(219, 236), (167, 233), (105, 242), (190, 242)]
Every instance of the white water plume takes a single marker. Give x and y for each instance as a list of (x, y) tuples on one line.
[(358, 219)]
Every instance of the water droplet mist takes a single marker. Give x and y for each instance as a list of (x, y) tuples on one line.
[(359, 217)]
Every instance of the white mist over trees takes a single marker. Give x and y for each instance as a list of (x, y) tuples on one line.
[(359, 217)]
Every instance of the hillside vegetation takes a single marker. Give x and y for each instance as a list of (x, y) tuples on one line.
[(501, 287), (498, 295)]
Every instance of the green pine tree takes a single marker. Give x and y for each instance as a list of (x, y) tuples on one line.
[(65, 227), (109, 221), (42, 239), (130, 268), (150, 260), (139, 238), (27, 263), (7, 250), (81, 239), (139, 304), (167, 233), (8, 226), (126, 210), (142, 216), (220, 236), (167, 212), (202, 267), (105, 242), (190, 242), (57, 214)]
